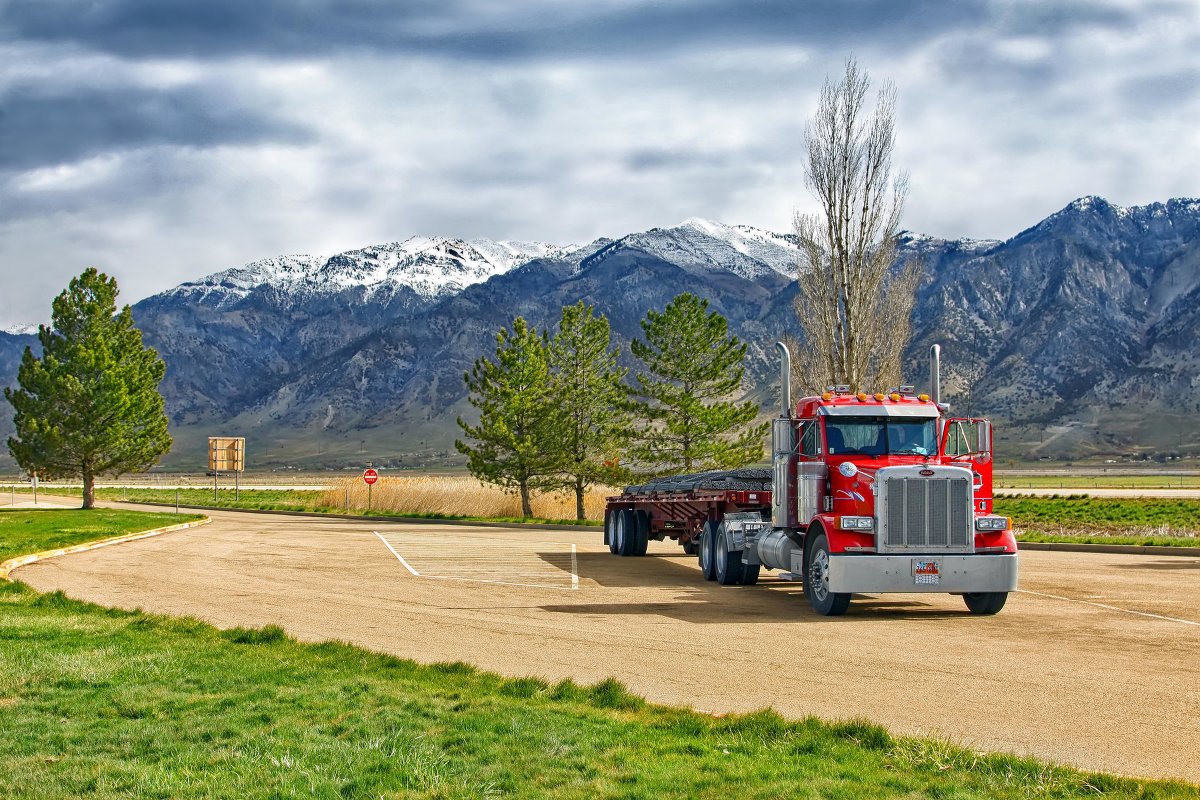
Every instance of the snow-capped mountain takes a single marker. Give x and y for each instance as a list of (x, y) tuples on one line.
[(20, 330), (1078, 334), (705, 245), (430, 267)]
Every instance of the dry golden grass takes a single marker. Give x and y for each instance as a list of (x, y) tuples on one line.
[(459, 496)]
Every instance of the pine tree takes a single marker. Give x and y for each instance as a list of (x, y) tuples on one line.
[(90, 404), (692, 367), (589, 398), (513, 440)]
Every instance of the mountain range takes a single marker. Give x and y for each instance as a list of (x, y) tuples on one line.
[(1076, 335)]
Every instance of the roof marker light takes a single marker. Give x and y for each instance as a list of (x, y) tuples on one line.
[(924, 398), (862, 397), (895, 396), (879, 397), (827, 397)]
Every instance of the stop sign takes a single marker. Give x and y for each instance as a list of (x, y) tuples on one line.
[(370, 476)]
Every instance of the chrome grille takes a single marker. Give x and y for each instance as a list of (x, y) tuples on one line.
[(927, 514)]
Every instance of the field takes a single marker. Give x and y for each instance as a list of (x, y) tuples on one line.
[(114, 704), (445, 497), (1077, 518), (1115, 480)]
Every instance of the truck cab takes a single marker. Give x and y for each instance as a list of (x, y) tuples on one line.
[(882, 492)]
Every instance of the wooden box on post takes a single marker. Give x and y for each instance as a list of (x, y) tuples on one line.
[(227, 454)]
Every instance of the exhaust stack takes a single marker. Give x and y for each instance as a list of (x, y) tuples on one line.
[(785, 379), (935, 374)]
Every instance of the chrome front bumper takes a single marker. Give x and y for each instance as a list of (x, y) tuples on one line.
[(956, 573)]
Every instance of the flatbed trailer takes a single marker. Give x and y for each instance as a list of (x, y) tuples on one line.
[(679, 507)]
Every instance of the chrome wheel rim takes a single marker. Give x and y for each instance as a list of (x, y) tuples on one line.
[(818, 575)]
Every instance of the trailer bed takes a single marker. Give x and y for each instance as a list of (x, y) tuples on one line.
[(678, 507)]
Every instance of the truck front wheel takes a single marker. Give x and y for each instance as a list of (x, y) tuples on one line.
[(816, 581), (985, 602)]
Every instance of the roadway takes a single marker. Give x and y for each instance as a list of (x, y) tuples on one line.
[(1094, 663)]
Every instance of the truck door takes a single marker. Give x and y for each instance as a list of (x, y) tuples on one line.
[(967, 441), (811, 473)]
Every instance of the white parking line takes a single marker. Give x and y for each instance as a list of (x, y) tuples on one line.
[(498, 560), (1111, 608), (386, 544)]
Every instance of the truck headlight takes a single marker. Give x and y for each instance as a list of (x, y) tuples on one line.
[(992, 523), (856, 523)]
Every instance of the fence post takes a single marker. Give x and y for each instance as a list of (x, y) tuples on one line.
[(176, 499)]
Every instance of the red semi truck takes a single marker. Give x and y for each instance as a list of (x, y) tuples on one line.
[(867, 493)]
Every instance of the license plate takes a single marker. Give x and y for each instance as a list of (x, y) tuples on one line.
[(926, 573)]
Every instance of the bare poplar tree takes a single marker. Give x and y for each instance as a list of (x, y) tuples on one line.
[(854, 307)]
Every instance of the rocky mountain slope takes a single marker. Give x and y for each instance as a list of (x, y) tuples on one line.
[(1069, 332)]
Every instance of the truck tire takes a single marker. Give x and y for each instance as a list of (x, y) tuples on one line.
[(689, 547), (985, 602), (643, 533), (750, 574), (705, 551), (626, 533), (816, 581), (610, 535), (728, 565)]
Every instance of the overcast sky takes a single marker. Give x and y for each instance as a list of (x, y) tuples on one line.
[(162, 140)]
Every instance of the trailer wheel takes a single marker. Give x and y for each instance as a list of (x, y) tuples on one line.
[(985, 602), (750, 574), (816, 581), (643, 532), (689, 547), (728, 564), (706, 556), (610, 535), (626, 533)]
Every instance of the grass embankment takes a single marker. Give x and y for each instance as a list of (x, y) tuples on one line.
[(30, 531), (1104, 520)]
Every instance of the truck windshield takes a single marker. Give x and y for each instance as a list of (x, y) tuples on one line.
[(879, 436)]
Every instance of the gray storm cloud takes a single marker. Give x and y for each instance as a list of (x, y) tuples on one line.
[(162, 140)]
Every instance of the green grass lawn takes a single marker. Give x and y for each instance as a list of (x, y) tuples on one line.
[(29, 531)]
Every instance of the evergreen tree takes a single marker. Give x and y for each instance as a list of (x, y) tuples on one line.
[(513, 441), (692, 367), (90, 404), (588, 396)]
